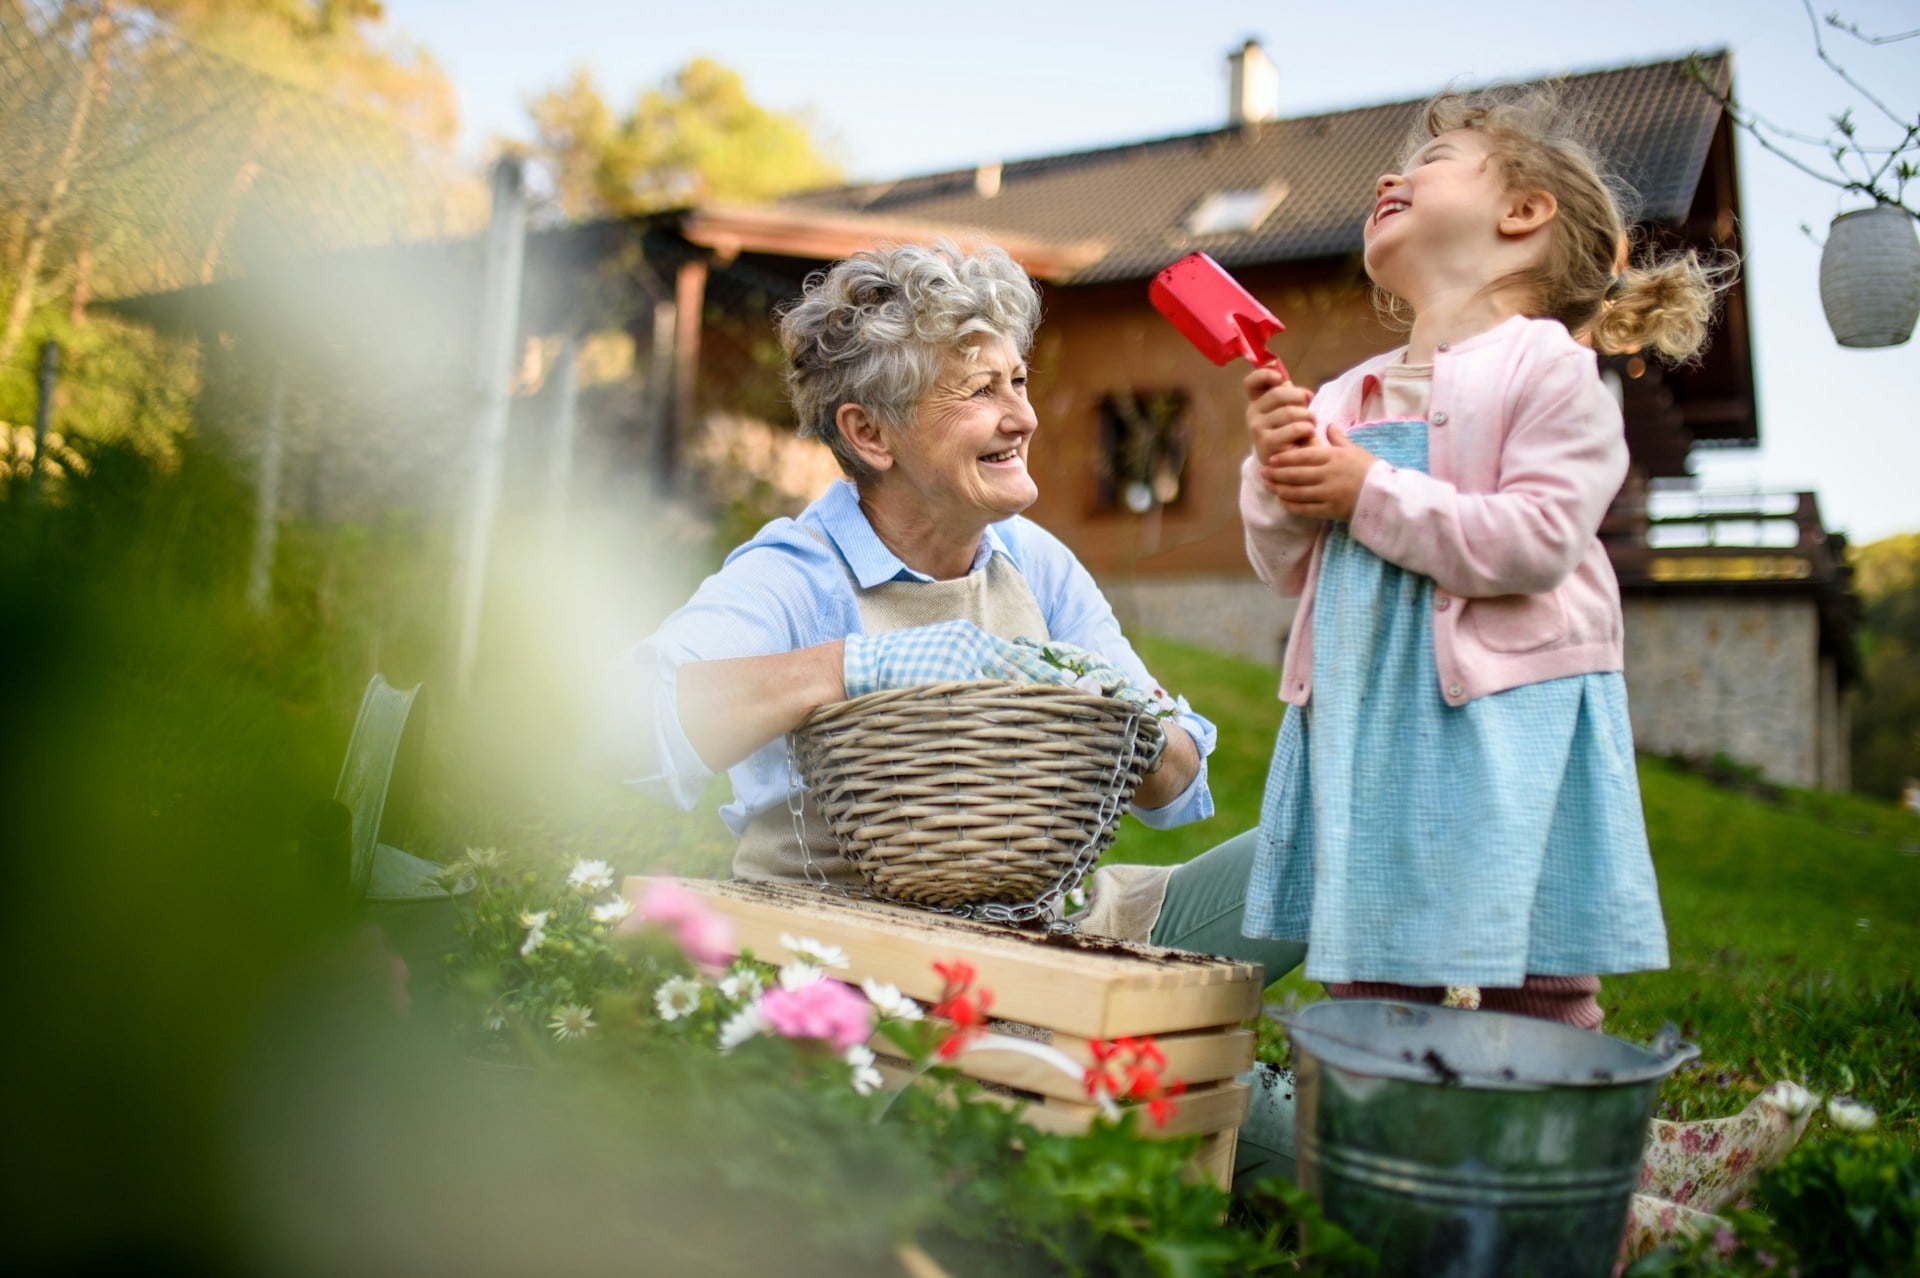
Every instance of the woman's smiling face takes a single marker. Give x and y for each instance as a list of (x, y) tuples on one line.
[(965, 453)]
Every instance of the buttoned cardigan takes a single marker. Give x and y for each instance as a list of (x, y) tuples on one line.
[(1526, 449)]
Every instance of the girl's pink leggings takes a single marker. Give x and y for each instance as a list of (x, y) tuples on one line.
[(1570, 1000)]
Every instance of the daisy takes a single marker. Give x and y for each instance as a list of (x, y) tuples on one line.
[(677, 998), (588, 877), (1789, 1098), (795, 975), (536, 924), (571, 1021), (808, 948), (889, 1001), (741, 986), (612, 911), (866, 1079), (740, 1027), (1850, 1115)]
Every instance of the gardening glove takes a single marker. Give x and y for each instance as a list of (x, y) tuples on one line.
[(947, 651), (1082, 668)]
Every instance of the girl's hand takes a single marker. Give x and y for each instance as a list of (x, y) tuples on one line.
[(1279, 414), (1321, 481)]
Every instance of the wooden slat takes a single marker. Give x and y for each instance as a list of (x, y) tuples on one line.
[(1201, 1056), (1221, 1107), (1088, 987)]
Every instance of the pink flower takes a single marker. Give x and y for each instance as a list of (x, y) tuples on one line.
[(706, 938), (825, 1009), (702, 935)]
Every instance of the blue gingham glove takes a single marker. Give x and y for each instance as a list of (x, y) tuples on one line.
[(946, 651), (1080, 667)]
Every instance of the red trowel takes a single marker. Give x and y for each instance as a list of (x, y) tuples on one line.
[(1213, 312)]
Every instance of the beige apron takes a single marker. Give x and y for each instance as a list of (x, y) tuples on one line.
[(1123, 900)]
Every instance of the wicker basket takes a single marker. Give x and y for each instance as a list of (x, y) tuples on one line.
[(962, 794)]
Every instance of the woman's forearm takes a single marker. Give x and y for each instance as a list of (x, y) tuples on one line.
[(1178, 767), (729, 709)]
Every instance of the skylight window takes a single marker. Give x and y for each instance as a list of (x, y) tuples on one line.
[(1232, 212)]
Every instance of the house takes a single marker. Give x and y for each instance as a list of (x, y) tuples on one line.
[(1736, 648)]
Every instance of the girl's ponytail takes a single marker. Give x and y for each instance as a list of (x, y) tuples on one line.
[(1666, 305)]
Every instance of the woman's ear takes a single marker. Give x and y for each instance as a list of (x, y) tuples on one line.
[(863, 431), (1527, 212)]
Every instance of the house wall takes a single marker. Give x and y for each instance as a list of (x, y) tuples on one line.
[(1097, 341), (1738, 675)]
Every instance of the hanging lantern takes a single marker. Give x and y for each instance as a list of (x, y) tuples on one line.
[(1870, 277)]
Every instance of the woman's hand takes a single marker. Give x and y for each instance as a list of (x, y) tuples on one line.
[(1279, 417), (944, 652), (1321, 481)]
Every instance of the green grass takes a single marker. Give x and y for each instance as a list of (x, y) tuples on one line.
[(1793, 921)]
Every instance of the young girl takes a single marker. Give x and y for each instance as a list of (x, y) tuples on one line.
[(1452, 800)]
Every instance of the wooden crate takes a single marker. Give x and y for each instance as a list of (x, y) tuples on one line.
[(1068, 989)]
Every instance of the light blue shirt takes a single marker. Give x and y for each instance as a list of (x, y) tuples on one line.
[(785, 590)]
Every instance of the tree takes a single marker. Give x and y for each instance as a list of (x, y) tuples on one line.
[(696, 137), (1878, 169), (1886, 719)]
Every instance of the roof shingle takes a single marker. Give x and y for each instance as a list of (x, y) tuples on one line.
[(1653, 124)]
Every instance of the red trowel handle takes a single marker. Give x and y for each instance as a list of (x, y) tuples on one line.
[(1210, 308)]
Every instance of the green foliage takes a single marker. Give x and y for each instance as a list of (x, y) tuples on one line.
[(116, 382), (1886, 708), (698, 137)]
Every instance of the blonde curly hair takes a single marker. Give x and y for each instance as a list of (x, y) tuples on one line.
[(1589, 280)]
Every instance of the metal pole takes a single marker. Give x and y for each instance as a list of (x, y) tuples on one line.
[(499, 328), (266, 510), (49, 369), (565, 420)]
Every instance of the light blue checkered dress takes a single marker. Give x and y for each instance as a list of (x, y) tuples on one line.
[(1411, 841)]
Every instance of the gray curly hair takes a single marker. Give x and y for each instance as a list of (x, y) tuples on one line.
[(875, 330)]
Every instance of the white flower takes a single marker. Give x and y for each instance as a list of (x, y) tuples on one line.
[(1850, 1115), (798, 975), (677, 998), (612, 911), (866, 1079), (536, 924), (740, 1027), (742, 985), (889, 1001), (588, 877), (808, 948), (494, 1021), (484, 858), (571, 1021), (1789, 1098)]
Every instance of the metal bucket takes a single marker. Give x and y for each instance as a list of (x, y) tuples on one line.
[(1467, 1144)]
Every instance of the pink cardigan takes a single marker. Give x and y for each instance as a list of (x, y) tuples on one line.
[(1526, 450)]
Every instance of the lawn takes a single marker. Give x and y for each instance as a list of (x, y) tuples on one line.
[(1793, 916)]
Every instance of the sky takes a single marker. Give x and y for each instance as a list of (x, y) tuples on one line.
[(898, 88)]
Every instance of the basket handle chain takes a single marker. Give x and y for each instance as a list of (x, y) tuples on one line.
[(797, 809)]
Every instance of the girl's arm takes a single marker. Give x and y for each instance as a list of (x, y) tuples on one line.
[(1279, 545), (1562, 462)]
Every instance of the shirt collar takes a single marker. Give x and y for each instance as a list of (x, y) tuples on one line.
[(872, 563)]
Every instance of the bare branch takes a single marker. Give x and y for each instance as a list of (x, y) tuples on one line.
[(1819, 47), (1853, 29)]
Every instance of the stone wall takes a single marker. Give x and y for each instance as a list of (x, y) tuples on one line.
[(1231, 614), (1739, 676)]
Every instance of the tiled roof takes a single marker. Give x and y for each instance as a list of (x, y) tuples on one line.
[(1652, 123)]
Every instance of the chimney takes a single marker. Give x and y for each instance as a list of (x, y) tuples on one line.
[(1253, 92), (986, 180)]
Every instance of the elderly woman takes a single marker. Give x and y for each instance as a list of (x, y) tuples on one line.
[(910, 364)]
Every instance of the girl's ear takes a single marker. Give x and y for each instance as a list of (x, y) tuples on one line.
[(862, 430), (1528, 211)]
